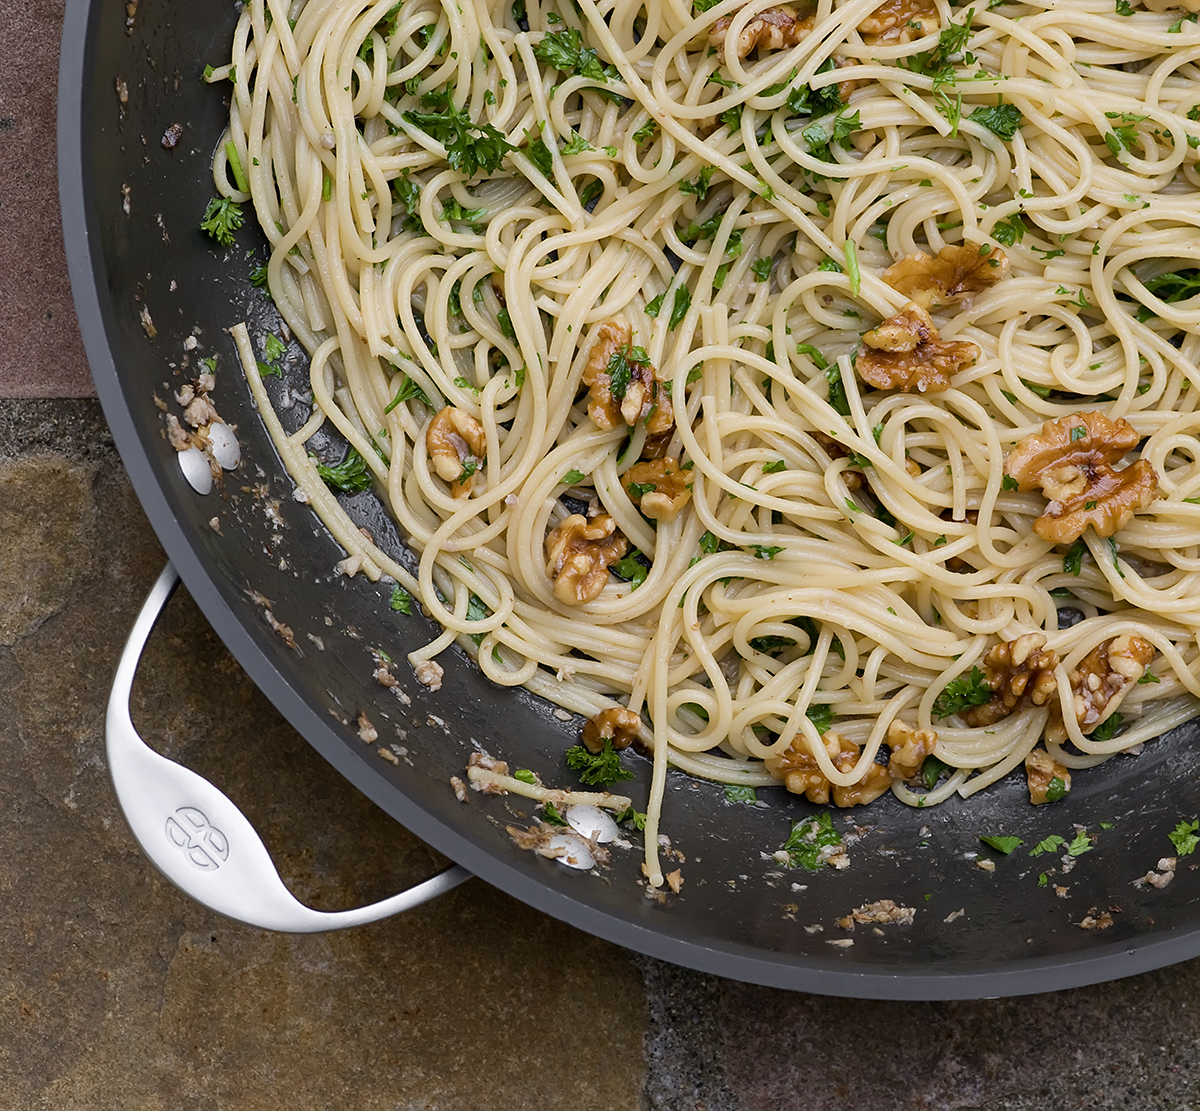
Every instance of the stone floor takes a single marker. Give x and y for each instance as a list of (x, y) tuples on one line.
[(118, 992)]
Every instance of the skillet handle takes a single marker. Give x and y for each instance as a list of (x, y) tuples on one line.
[(197, 837)]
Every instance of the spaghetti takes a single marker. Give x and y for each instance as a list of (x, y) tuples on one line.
[(522, 216)]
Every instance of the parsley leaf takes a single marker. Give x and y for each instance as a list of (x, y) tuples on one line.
[(807, 840), (1073, 560), (837, 391), (572, 477), (1003, 845), (466, 152), (351, 475), (222, 218), (1108, 728), (1000, 119), (683, 301), (1081, 844), (551, 816), (734, 793), (1048, 845), (408, 389), (631, 569), (564, 51), (932, 769), (635, 816), (401, 600), (1184, 838), (597, 768), (1056, 790), (961, 693)]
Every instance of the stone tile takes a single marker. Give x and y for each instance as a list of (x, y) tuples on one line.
[(116, 991), (1132, 1043), (41, 353)]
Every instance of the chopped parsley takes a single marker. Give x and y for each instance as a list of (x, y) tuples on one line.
[(470, 147), (735, 793), (763, 551), (1108, 728), (1048, 845), (351, 475), (597, 768), (222, 218), (961, 693), (1001, 844), (408, 389), (837, 391), (564, 51), (572, 477), (807, 840), (683, 301), (932, 769), (1073, 560), (1082, 843), (1184, 838), (1056, 790), (631, 569), (1000, 119), (401, 600), (551, 816)]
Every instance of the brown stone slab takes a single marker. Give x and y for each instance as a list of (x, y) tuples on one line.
[(41, 353), (117, 991)]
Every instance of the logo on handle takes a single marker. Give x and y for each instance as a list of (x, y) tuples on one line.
[(190, 831)]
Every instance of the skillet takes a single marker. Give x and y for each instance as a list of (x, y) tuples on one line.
[(145, 280)]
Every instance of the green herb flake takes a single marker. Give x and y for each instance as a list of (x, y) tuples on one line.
[(1184, 838), (401, 600), (808, 839), (525, 776), (1049, 845), (597, 768), (961, 693), (736, 793), (1001, 844)]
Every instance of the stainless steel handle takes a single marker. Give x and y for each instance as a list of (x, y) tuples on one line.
[(197, 837)]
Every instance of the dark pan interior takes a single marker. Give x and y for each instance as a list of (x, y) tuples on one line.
[(740, 913)]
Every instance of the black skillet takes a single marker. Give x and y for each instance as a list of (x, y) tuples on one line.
[(740, 914)]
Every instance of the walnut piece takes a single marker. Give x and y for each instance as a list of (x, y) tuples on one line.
[(910, 746), (771, 29), (578, 553), (670, 491), (906, 353), (801, 774), (456, 444), (638, 394), (957, 273), (1102, 680), (1019, 672), (883, 912), (1041, 769), (616, 724), (899, 21), (1072, 459)]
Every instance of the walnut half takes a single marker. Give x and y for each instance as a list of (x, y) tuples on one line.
[(899, 21), (616, 724), (802, 775), (909, 746), (957, 273), (771, 29), (658, 488), (905, 353), (456, 444), (622, 384), (1072, 459), (578, 553), (1041, 770), (1019, 672), (1102, 680)]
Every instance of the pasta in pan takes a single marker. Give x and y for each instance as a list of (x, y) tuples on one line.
[(794, 390)]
